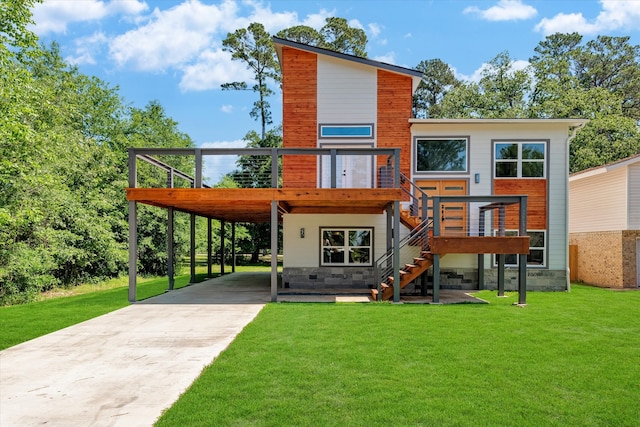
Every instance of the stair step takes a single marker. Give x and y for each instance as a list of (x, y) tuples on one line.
[(383, 286), (409, 266), (418, 260)]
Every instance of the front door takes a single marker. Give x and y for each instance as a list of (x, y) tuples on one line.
[(352, 171), (453, 215)]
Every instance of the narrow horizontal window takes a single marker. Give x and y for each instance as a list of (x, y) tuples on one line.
[(346, 131)]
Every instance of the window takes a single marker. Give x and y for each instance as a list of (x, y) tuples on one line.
[(537, 249), (520, 160), (347, 246), (441, 155), (346, 131)]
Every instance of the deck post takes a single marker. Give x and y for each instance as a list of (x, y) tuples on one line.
[(334, 170), (396, 251), (133, 229), (222, 236), (481, 225), (192, 251), (198, 180), (500, 274), (274, 251), (170, 248), (522, 265), (209, 244), (436, 257)]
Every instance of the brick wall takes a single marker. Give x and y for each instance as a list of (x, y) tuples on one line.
[(629, 258), (600, 258)]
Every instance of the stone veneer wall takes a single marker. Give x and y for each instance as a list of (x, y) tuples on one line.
[(464, 278), (600, 258)]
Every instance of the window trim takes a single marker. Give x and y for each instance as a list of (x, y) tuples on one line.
[(346, 247), (542, 248), (414, 153), (368, 127), (519, 160)]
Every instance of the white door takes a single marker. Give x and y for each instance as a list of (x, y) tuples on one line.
[(352, 171)]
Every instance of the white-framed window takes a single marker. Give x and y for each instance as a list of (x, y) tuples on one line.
[(537, 249), (525, 159), (441, 154), (346, 246)]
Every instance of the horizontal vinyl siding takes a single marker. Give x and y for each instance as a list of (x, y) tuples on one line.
[(305, 252), (480, 155), (346, 92), (634, 197), (598, 202)]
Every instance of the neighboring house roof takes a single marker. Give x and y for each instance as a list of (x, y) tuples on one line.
[(415, 74), (605, 168)]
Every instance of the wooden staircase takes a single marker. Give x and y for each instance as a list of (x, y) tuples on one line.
[(408, 274)]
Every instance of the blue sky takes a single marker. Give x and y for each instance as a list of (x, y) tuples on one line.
[(171, 51)]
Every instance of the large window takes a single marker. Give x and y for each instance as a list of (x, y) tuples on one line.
[(347, 246), (520, 159), (537, 249), (441, 154)]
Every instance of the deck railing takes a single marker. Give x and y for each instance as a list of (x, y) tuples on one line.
[(268, 167)]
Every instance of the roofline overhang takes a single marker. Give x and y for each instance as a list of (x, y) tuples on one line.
[(569, 122), (415, 75), (597, 170)]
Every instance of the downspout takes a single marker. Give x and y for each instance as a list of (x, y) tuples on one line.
[(574, 130)]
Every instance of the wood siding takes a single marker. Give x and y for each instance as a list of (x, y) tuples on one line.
[(536, 189), (599, 202), (394, 110), (299, 115)]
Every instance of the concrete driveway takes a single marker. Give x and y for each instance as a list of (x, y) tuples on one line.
[(126, 367)]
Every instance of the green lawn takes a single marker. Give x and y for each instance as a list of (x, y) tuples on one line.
[(23, 322), (565, 359)]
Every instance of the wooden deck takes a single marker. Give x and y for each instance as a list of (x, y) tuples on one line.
[(254, 204), (479, 245)]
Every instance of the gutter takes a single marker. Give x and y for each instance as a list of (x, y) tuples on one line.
[(573, 131)]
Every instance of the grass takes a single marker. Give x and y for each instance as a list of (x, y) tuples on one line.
[(59, 309), (566, 359)]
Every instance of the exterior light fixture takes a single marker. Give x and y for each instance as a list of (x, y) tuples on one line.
[(302, 233)]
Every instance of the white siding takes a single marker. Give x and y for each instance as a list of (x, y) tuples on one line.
[(347, 91), (299, 252), (634, 197), (599, 202)]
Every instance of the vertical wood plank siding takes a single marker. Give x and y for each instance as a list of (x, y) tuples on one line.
[(394, 111), (536, 189), (299, 115)]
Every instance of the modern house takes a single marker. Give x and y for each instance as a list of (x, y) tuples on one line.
[(604, 223), (372, 198)]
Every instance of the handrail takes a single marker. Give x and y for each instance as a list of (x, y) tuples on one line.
[(414, 207), (417, 237)]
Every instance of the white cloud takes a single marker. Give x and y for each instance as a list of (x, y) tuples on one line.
[(87, 48), (356, 24), (615, 14), (212, 68), (317, 20), (374, 29), (53, 16), (215, 167), (227, 108), (387, 58), (505, 10), (475, 77), (173, 36)]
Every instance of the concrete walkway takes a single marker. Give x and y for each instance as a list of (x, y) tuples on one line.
[(126, 367)]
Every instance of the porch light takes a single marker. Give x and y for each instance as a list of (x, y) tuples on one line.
[(302, 233)]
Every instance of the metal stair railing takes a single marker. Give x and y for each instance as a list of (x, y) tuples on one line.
[(410, 247)]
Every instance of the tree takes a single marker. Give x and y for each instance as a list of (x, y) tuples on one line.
[(437, 79), (302, 34), (253, 46), (341, 37)]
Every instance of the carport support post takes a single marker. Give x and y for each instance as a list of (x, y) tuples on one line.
[(170, 253), (193, 249), (209, 243), (436, 257), (133, 250), (274, 251), (233, 247), (133, 229), (222, 227)]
